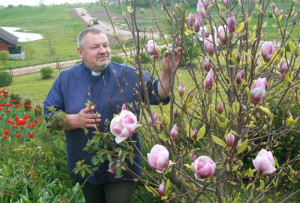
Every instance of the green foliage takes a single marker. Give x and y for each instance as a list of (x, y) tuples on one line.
[(5, 79), (46, 72), (117, 59), (4, 56)]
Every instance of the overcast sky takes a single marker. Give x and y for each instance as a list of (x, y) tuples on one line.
[(36, 2)]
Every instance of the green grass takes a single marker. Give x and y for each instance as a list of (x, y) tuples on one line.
[(32, 86)]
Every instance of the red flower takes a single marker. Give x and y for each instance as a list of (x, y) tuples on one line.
[(38, 111), (26, 117), (36, 120), (1, 104), (19, 122), (33, 125), (30, 106), (16, 106), (6, 132), (21, 104), (0, 117), (0, 108), (27, 125), (27, 105), (30, 135), (21, 127), (7, 111), (23, 121), (17, 118), (18, 135), (14, 126), (8, 104), (4, 137)]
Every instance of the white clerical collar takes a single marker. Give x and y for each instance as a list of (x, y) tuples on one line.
[(96, 73)]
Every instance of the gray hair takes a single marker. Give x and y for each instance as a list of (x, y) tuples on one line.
[(83, 33)]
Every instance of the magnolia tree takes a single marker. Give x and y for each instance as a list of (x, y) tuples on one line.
[(216, 141)]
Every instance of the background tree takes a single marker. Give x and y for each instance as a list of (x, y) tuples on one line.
[(4, 56)]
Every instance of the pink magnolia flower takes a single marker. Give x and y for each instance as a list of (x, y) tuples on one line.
[(152, 48), (283, 67), (191, 19), (264, 162), (207, 63), (267, 51), (181, 89), (174, 132), (155, 117), (231, 22), (161, 189), (124, 106), (276, 12), (201, 9), (206, 33), (239, 77), (204, 167), (208, 45), (206, 3), (221, 107), (113, 169), (258, 90), (123, 125), (223, 34), (197, 24), (226, 3), (158, 158), (230, 139), (209, 79)]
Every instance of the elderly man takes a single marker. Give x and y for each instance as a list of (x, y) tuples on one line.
[(98, 75)]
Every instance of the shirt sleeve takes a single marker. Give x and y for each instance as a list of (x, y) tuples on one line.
[(54, 99), (152, 84)]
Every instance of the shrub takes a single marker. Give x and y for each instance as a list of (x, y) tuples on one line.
[(5, 79), (117, 59), (46, 72)]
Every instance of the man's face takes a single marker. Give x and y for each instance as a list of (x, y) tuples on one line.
[(96, 53)]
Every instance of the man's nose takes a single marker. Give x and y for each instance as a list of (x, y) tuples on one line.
[(102, 49)]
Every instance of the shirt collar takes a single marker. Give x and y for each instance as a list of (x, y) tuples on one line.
[(93, 73)]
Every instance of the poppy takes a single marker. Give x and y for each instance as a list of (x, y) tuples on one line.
[(30, 135), (18, 135), (4, 137), (6, 132)]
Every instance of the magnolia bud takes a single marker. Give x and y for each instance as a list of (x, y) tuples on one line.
[(257, 116), (193, 156), (106, 122), (207, 63), (296, 174), (195, 132), (191, 94), (161, 188), (276, 12), (191, 19), (239, 77), (231, 22), (174, 132), (230, 140), (238, 58), (221, 107), (206, 3), (124, 106), (294, 21), (161, 126), (197, 24), (181, 89), (226, 3), (201, 9), (176, 113)]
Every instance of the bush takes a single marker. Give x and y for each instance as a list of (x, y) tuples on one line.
[(117, 59), (46, 72), (5, 79)]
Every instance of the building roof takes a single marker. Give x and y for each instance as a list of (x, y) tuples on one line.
[(10, 38)]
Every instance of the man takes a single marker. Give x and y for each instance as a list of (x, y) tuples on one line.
[(103, 79)]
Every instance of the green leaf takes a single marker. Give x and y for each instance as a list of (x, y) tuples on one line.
[(234, 59), (248, 186), (218, 141), (219, 122), (168, 184), (290, 121), (152, 190), (292, 47), (189, 167), (243, 147), (240, 27), (279, 18), (201, 133), (262, 185), (266, 110), (235, 107)]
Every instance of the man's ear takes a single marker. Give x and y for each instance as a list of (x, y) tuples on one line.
[(80, 52)]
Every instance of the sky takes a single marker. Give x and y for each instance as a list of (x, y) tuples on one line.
[(36, 2)]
